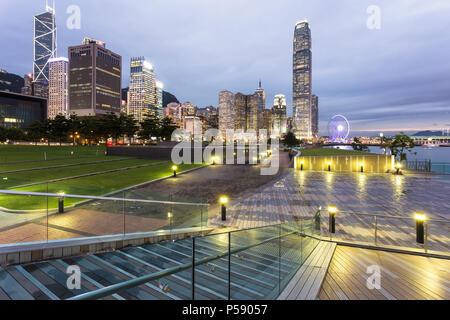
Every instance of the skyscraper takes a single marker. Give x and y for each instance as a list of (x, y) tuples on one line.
[(95, 79), (279, 119), (227, 112), (302, 84), (142, 93), (159, 99), (256, 109), (315, 116), (44, 43), (58, 87)]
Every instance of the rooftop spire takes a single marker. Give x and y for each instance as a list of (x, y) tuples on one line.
[(260, 83)]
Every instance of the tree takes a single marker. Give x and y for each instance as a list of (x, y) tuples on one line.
[(357, 145), (401, 145), (150, 127), (89, 129), (166, 129), (111, 126), (35, 131), (129, 125), (74, 126), (60, 128), (290, 140), (14, 134)]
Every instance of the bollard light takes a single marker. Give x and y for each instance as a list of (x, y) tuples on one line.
[(420, 227), (174, 168), (213, 159), (224, 201), (329, 166), (332, 211), (61, 202), (398, 166), (301, 165), (362, 167)]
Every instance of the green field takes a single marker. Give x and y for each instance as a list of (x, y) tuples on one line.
[(96, 185), (9, 180), (14, 153), (330, 152), (93, 186)]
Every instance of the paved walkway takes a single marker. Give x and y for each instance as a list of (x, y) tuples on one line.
[(299, 194), (403, 277)]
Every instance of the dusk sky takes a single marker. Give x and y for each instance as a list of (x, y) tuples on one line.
[(392, 79)]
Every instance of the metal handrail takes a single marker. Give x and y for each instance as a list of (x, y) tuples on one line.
[(104, 292), (55, 195), (393, 217)]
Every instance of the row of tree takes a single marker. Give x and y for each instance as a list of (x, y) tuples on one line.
[(88, 130), (399, 146)]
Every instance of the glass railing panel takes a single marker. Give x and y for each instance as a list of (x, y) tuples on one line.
[(212, 278), (255, 271)]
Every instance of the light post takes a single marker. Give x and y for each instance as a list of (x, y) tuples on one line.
[(420, 227), (223, 201), (174, 168), (61, 202), (332, 212)]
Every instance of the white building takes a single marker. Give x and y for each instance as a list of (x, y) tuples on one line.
[(58, 87)]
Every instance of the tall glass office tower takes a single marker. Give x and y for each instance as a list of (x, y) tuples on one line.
[(44, 43), (302, 89), (142, 95)]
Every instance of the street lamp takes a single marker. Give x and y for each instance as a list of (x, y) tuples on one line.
[(223, 201), (420, 227), (61, 202), (174, 168), (332, 211)]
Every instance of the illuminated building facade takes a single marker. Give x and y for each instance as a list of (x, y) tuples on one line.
[(95, 79), (142, 95), (193, 125), (279, 117), (315, 116), (44, 43), (58, 87), (267, 121), (302, 86), (227, 112), (159, 99), (19, 111), (175, 112), (255, 110)]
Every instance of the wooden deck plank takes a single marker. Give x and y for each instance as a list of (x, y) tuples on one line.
[(404, 277), (308, 280)]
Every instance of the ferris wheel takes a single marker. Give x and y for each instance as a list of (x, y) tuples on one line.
[(338, 129)]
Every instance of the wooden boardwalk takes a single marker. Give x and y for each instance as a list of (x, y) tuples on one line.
[(306, 284), (298, 195), (403, 276)]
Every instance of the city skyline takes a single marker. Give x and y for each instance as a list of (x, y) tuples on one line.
[(374, 84)]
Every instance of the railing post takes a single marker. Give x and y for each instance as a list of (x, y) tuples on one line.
[(229, 266), (376, 229), (193, 269)]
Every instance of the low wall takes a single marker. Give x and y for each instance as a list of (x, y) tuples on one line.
[(370, 163)]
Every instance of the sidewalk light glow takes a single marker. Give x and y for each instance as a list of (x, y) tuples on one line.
[(420, 217), (224, 200), (174, 168), (332, 210), (170, 215)]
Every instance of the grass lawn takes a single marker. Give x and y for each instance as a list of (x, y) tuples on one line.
[(93, 186), (20, 178), (49, 163), (13, 153), (331, 152)]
